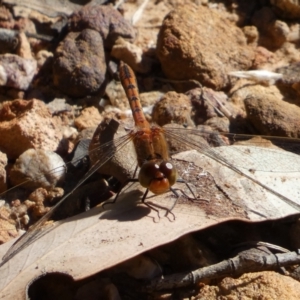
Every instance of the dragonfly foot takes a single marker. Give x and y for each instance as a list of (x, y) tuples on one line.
[(106, 203)]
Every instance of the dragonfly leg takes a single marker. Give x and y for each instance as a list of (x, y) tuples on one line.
[(150, 205), (154, 205), (116, 197), (188, 186), (176, 198), (128, 181), (194, 198)]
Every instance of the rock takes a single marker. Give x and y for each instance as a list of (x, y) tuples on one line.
[(218, 124), (132, 55), (79, 64), (3, 163), (38, 168), (39, 199), (25, 25), (251, 34), (59, 105), (7, 225), (148, 99), (9, 41), (195, 137), (208, 104), (290, 73), (105, 20), (42, 18), (6, 18), (290, 78), (28, 124), (173, 108), (273, 33), (121, 166), (262, 57), (24, 46), (35, 205), (42, 56), (268, 112), (197, 43), (286, 8), (89, 117), (260, 285), (273, 116), (117, 97), (85, 134), (16, 72)]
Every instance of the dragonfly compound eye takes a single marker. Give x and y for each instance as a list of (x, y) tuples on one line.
[(169, 171), (158, 178), (147, 173)]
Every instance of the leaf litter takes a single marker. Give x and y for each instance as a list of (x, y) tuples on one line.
[(219, 202), (92, 236)]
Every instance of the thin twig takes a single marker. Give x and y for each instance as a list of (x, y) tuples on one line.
[(243, 263)]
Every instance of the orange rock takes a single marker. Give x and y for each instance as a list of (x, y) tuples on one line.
[(27, 124), (260, 285), (198, 43), (3, 163), (173, 107), (89, 117)]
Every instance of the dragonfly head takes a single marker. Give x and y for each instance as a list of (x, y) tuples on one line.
[(157, 176)]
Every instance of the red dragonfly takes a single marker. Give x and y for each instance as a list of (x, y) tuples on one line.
[(157, 173)]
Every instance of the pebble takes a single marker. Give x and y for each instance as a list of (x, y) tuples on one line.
[(270, 115), (8, 228), (3, 163), (173, 108), (290, 77), (105, 20), (268, 110), (273, 33), (42, 57), (89, 117), (197, 43), (208, 104), (16, 72), (257, 285), (9, 40), (6, 18), (120, 168), (28, 124), (286, 8), (39, 168), (79, 65), (132, 55)]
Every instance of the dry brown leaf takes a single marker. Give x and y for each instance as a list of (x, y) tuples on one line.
[(96, 240)]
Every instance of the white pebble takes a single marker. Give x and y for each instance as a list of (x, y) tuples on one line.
[(39, 168)]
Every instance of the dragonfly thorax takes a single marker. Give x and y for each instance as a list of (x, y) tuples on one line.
[(157, 176)]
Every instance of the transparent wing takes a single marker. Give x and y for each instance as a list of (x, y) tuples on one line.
[(237, 160), (105, 153), (180, 139), (205, 141)]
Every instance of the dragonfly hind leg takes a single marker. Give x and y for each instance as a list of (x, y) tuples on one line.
[(154, 206), (194, 198), (126, 182), (118, 194), (183, 192)]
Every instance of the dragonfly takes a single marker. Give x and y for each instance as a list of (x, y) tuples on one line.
[(157, 173)]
